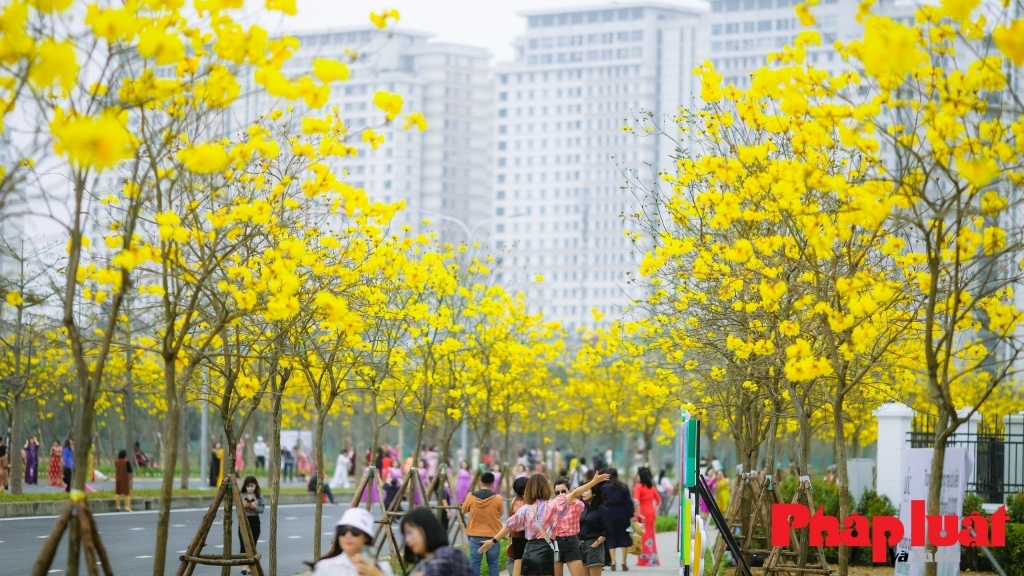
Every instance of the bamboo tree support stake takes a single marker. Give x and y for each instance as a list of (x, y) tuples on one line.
[(192, 557), (101, 550), (45, 559), (199, 540)]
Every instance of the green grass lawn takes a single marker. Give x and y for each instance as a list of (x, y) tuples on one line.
[(665, 524)]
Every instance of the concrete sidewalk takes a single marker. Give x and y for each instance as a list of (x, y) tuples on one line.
[(666, 551)]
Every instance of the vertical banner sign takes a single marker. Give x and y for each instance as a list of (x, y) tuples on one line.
[(692, 445), (917, 463), (684, 500)]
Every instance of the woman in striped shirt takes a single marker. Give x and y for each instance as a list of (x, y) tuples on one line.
[(539, 520)]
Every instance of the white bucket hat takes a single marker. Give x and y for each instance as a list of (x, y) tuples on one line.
[(358, 518), (259, 438)]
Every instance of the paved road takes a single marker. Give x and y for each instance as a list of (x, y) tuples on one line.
[(129, 540), (138, 483)]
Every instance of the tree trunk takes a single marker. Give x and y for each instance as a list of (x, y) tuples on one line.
[(842, 477), (318, 471), (275, 472), (17, 462), (935, 482), (129, 404), (167, 482), (184, 444), (773, 427), (229, 469)]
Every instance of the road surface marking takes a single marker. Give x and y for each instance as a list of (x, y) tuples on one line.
[(219, 546), (41, 537), (328, 533), (142, 557), (294, 537), (291, 518), (260, 541), (141, 512), (54, 571), (137, 528), (182, 551), (177, 525)]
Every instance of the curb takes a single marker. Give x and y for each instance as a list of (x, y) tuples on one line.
[(101, 505)]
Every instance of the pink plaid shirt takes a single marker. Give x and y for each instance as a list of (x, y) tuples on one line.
[(549, 512), (569, 525)]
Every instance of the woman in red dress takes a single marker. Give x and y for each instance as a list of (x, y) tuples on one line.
[(647, 499), (55, 472)]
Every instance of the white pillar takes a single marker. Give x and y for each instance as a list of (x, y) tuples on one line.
[(1013, 454), (968, 431), (893, 437)]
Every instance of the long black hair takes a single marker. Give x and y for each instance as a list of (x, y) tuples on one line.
[(597, 498), (645, 476), (252, 480), (434, 535), (614, 483)]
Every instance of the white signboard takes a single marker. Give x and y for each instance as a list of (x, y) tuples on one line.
[(290, 438), (917, 465)]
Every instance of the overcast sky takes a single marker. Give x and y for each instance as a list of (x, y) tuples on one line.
[(492, 24)]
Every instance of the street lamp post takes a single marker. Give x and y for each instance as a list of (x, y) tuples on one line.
[(464, 432)]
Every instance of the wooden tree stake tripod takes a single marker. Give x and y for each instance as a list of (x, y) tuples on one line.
[(75, 511), (438, 485), (193, 556)]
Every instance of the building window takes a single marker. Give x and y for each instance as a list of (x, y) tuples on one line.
[(764, 26), (748, 26), (733, 28), (764, 4), (732, 5), (718, 5), (716, 29), (638, 35), (503, 112)]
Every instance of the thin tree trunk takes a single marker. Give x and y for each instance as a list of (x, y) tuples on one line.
[(163, 521), (184, 445), (229, 468), (318, 471), (842, 477), (17, 462), (275, 471), (935, 483), (773, 427)]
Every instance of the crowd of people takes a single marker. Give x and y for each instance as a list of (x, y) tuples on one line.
[(579, 523)]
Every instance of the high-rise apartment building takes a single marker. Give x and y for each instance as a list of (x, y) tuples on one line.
[(561, 158), (740, 34), (443, 173)]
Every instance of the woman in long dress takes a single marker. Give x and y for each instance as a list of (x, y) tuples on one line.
[(340, 479), (5, 466), (32, 461), (216, 469), (710, 478), (620, 511), (56, 469), (465, 477), (722, 488), (301, 464), (648, 499)]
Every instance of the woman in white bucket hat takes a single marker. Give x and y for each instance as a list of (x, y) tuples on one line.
[(353, 532)]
